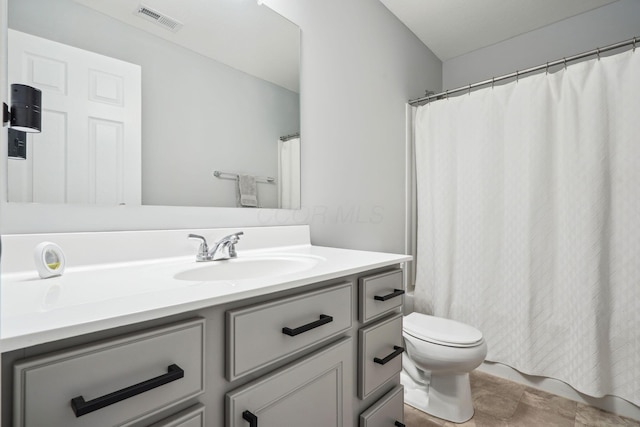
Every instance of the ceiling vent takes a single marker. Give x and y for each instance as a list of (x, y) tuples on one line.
[(158, 18)]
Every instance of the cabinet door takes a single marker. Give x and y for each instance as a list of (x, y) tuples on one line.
[(313, 392)]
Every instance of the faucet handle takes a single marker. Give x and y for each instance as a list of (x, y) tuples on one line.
[(203, 250), (232, 237)]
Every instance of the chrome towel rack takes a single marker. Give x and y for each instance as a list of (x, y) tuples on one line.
[(235, 176)]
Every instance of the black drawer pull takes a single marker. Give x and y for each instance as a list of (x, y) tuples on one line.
[(397, 352), (252, 418), (80, 407), (324, 319), (399, 424), (395, 293)]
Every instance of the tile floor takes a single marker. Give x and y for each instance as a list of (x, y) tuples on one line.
[(502, 403)]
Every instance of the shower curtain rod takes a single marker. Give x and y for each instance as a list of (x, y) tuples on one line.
[(517, 74)]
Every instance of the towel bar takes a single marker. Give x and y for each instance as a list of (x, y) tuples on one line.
[(234, 176)]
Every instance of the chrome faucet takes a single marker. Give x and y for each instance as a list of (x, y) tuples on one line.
[(224, 248)]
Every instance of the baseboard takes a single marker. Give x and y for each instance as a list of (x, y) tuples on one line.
[(613, 404)]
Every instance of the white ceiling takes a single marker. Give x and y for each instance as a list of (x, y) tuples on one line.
[(454, 27), (238, 33)]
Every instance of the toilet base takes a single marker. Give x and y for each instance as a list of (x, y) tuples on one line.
[(446, 396)]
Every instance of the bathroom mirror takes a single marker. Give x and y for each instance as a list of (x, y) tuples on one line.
[(218, 90)]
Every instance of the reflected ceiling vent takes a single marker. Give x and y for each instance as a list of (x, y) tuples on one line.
[(158, 18)]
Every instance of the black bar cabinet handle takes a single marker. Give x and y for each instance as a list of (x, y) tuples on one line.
[(80, 407), (397, 352), (395, 293), (252, 418), (399, 424), (324, 319)]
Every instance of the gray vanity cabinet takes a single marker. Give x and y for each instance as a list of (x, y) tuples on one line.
[(302, 358), (317, 390), (313, 392)]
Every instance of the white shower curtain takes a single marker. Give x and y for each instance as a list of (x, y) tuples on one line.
[(289, 173), (529, 221)]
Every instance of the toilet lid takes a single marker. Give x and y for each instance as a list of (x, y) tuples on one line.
[(439, 330)]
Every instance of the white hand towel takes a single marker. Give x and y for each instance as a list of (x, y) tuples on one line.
[(247, 191)]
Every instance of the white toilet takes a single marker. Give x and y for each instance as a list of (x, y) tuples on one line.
[(439, 355)]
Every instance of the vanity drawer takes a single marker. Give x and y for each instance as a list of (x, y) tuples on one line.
[(190, 417), (386, 412), (379, 354), (265, 333), (113, 382), (379, 294)]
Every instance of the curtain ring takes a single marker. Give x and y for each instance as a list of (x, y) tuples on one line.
[(517, 76), (634, 44), (493, 81), (598, 51), (446, 94), (546, 69), (469, 89), (565, 63)]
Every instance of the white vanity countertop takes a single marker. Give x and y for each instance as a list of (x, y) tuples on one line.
[(90, 298)]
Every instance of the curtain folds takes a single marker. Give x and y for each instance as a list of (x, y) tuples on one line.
[(529, 221), (289, 173)]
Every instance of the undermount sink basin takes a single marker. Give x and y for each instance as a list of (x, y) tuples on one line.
[(243, 268)]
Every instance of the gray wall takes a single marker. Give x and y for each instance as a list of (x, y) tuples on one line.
[(606, 25), (359, 67), (198, 114)]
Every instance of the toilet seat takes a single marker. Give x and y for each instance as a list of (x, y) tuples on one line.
[(438, 330)]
